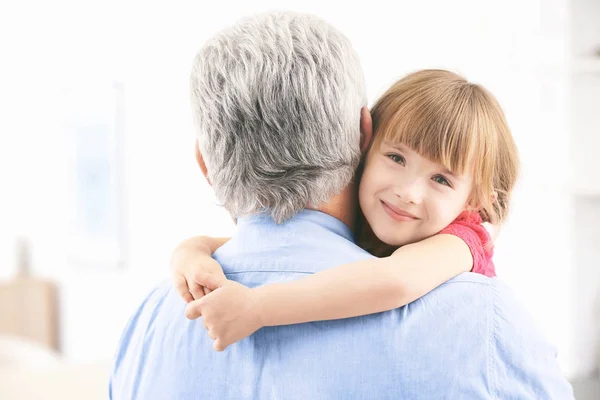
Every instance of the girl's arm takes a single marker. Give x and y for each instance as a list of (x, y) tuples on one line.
[(365, 287), (234, 311), (191, 256)]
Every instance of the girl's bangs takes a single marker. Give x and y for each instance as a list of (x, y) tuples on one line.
[(443, 132)]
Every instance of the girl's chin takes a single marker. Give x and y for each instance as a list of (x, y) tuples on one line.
[(392, 239)]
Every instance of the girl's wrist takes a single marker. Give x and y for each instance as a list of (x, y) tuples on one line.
[(260, 305)]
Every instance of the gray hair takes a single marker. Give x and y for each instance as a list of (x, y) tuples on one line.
[(276, 100)]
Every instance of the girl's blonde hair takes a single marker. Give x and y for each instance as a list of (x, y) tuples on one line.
[(457, 124)]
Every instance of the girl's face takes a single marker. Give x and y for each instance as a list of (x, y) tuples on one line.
[(407, 198)]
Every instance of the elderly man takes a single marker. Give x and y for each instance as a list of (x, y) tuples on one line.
[(279, 103)]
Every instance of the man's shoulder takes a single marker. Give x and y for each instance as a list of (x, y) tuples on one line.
[(467, 285), (145, 312), (470, 281), (481, 297), (473, 278), (500, 297), (522, 359), (157, 295), (151, 301), (143, 316)]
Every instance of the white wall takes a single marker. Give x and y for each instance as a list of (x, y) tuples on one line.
[(150, 48)]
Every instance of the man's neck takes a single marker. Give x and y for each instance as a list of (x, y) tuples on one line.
[(342, 206)]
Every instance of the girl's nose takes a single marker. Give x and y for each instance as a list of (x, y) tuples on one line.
[(410, 192)]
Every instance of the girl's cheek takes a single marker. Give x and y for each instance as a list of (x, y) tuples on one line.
[(363, 194)]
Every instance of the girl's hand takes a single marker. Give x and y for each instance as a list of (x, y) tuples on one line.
[(190, 257), (229, 313)]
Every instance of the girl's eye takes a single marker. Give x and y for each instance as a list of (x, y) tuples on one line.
[(441, 180), (397, 158)]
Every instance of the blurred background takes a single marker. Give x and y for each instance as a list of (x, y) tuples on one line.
[(99, 181)]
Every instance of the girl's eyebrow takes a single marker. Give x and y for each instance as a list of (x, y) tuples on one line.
[(448, 172), (453, 175), (396, 146), (401, 147)]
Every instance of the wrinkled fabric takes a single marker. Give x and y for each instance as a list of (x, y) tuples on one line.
[(468, 339)]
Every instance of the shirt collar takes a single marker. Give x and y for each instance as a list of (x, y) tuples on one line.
[(326, 221)]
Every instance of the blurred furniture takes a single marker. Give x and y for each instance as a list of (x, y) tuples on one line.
[(31, 371), (16, 352), (29, 304), (66, 382), (29, 309)]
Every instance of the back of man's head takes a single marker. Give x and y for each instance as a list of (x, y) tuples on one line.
[(276, 101)]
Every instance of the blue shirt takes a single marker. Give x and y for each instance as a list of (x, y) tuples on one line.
[(468, 339)]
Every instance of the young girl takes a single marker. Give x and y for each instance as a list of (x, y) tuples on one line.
[(442, 162)]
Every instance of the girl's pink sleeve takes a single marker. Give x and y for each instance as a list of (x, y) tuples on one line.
[(468, 227)]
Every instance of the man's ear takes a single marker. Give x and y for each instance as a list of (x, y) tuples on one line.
[(200, 161), (366, 129)]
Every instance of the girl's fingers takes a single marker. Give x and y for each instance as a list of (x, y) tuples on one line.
[(218, 345), (195, 289), (211, 335), (182, 288)]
